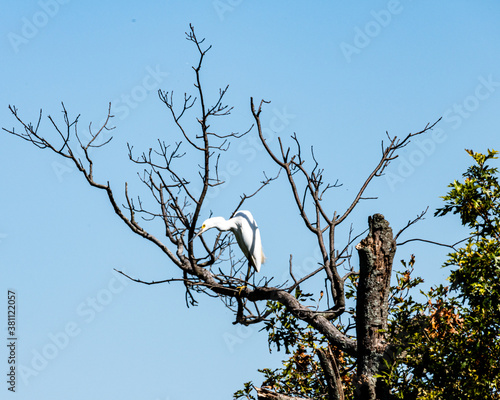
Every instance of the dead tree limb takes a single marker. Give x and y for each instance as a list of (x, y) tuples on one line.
[(331, 371)]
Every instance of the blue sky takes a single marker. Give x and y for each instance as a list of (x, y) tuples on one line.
[(338, 74)]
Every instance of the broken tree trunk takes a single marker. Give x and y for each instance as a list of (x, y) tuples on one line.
[(376, 254)]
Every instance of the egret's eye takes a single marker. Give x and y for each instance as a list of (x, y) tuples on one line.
[(203, 226)]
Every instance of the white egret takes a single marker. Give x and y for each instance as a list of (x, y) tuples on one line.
[(247, 235)]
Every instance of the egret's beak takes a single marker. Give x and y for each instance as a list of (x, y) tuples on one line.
[(195, 236)]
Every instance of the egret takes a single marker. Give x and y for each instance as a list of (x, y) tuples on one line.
[(247, 235)]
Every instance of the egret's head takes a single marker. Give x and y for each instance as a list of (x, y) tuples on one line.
[(208, 224)]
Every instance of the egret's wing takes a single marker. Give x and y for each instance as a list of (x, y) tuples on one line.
[(248, 237), (242, 243)]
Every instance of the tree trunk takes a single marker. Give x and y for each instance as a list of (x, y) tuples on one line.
[(376, 253)]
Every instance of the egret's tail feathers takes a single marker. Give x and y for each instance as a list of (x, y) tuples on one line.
[(253, 262), (263, 259)]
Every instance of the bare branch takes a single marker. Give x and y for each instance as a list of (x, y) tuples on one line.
[(451, 246), (388, 154), (291, 273), (411, 222)]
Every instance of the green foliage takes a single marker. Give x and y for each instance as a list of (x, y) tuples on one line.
[(301, 374), (476, 280), (401, 304), (245, 393), (282, 327), (449, 347), (418, 332), (476, 199)]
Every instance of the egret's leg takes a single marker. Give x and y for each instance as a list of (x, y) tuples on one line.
[(249, 272)]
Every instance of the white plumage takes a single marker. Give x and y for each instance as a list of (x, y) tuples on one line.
[(247, 235)]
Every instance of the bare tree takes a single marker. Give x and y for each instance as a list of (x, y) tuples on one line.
[(178, 207)]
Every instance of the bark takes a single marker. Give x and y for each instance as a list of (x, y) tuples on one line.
[(376, 254), (331, 371)]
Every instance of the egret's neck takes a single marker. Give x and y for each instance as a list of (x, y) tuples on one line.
[(225, 225), (220, 223)]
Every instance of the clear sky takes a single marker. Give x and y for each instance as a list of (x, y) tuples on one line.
[(338, 74)]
